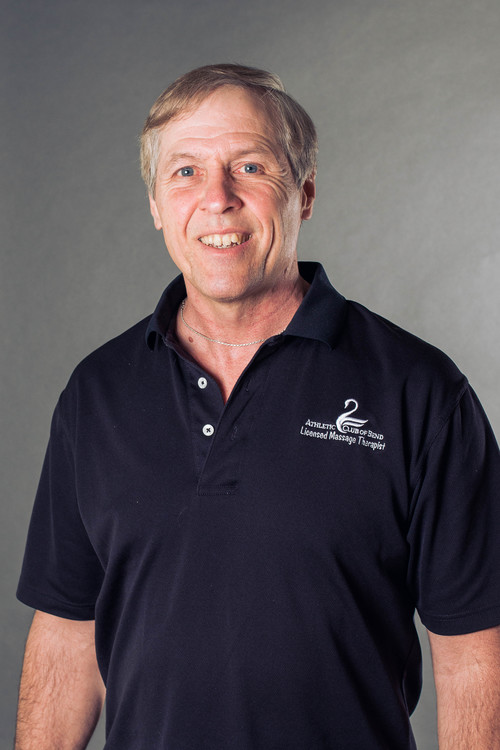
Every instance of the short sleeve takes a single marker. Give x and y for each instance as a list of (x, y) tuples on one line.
[(61, 573), (454, 533)]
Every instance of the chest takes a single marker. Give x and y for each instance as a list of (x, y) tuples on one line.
[(302, 462)]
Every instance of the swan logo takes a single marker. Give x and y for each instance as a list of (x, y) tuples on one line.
[(347, 429), (346, 422)]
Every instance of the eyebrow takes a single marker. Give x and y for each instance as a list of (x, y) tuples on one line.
[(173, 158), (188, 156)]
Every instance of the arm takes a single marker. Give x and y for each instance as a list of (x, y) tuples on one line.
[(62, 693), (467, 677)]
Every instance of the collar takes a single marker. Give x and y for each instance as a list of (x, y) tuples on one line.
[(166, 310), (319, 316)]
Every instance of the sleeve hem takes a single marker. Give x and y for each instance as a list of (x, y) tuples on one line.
[(462, 624), (50, 605)]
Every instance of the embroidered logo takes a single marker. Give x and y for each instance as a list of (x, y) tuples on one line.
[(346, 428), (345, 422)]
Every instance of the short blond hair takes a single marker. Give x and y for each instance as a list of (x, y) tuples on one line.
[(293, 126)]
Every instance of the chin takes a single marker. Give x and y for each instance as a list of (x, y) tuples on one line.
[(224, 291)]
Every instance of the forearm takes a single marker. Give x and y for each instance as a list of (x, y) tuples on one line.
[(467, 677), (469, 719), (61, 693)]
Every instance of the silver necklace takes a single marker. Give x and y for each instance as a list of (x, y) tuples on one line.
[(216, 341)]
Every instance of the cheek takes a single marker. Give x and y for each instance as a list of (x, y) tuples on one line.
[(288, 211), (284, 197), (176, 214), (269, 205)]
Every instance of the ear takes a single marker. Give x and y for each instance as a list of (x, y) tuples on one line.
[(308, 196), (154, 212)]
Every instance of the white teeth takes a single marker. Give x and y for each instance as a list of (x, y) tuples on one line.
[(224, 240)]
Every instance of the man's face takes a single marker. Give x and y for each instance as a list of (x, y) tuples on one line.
[(226, 200)]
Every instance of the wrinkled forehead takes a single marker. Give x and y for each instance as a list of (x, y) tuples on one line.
[(231, 104), (229, 116)]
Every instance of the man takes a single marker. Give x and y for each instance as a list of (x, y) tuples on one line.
[(252, 491)]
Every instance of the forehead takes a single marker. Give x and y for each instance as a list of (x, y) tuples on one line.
[(228, 115)]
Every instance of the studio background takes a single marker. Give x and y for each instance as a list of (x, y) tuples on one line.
[(406, 98)]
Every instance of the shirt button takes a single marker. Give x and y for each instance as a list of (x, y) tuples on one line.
[(208, 430), (202, 383)]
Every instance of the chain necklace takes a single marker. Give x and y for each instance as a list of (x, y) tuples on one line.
[(216, 341)]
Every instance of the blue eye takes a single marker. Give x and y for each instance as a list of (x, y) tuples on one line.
[(186, 172), (250, 168)]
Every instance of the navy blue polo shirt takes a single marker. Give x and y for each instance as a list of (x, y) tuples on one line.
[(254, 567)]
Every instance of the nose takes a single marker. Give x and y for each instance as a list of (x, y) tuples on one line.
[(219, 192)]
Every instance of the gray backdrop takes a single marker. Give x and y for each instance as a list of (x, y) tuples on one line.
[(406, 98)]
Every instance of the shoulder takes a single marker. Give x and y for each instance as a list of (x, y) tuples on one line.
[(115, 353), (386, 344), (108, 368), (411, 379)]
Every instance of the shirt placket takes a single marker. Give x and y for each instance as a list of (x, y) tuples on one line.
[(220, 432)]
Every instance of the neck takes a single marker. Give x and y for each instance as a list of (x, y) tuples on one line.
[(232, 333), (215, 341), (241, 322)]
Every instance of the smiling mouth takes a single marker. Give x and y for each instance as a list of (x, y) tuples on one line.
[(224, 240)]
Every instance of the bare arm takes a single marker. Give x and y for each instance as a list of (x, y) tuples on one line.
[(62, 692), (467, 677)]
